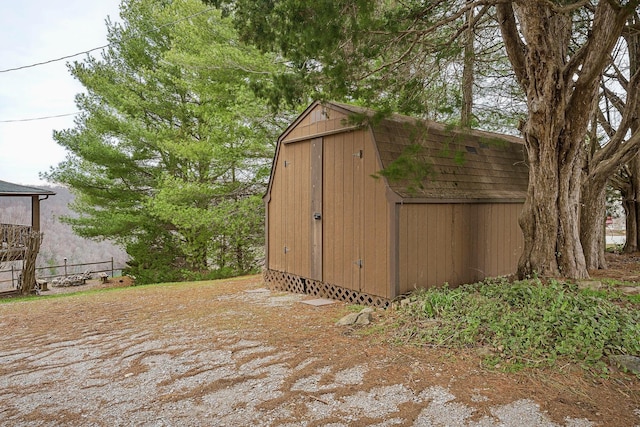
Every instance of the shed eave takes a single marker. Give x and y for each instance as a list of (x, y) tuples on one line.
[(9, 189), (434, 200)]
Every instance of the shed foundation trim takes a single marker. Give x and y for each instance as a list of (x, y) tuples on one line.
[(282, 281), (433, 201)]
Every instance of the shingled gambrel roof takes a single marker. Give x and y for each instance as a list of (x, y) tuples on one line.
[(463, 165), (10, 189)]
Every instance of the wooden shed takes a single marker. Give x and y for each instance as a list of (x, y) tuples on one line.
[(337, 228)]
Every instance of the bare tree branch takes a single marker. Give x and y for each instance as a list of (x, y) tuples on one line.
[(618, 150), (513, 43)]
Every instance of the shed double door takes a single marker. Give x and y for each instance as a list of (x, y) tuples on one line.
[(343, 207)]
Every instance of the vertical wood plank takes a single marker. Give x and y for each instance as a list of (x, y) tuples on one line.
[(392, 258), (403, 246), (347, 213), (293, 212), (277, 237), (495, 239), (483, 246), (427, 233), (370, 237), (289, 208), (358, 218), (316, 209), (275, 218), (519, 245), (440, 238), (416, 245), (503, 238), (297, 212), (339, 235), (329, 223), (380, 223), (459, 266), (474, 242), (305, 235)]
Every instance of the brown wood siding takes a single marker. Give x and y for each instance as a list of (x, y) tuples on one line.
[(457, 243), (316, 122), (316, 208), (331, 229), (355, 239), (277, 223), (339, 241), (289, 207), (376, 238)]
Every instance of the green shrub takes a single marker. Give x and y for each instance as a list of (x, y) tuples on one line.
[(525, 323)]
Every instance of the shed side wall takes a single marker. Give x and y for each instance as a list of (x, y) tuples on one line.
[(457, 243)]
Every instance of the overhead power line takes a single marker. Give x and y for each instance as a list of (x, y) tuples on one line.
[(62, 58), (33, 119)]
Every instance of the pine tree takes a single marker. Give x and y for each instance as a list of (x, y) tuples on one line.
[(172, 145)]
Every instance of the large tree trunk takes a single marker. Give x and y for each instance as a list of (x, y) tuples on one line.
[(594, 201), (631, 204), (632, 199), (560, 89), (592, 216), (631, 222), (550, 217)]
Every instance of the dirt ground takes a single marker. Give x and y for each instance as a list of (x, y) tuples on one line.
[(623, 267), (235, 354)]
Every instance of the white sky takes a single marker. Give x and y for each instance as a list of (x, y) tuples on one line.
[(34, 31)]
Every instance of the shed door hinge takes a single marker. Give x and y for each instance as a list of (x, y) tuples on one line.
[(286, 249), (358, 154), (359, 263), (286, 163)]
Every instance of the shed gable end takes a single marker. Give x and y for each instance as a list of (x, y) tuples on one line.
[(318, 120)]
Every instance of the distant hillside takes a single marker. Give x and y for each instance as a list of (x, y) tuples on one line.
[(59, 240)]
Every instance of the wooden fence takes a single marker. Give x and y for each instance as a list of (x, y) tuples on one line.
[(68, 269)]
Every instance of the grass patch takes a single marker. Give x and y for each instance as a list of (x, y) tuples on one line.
[(75, 293), (525, 323), (634, 299), (42, 297), (78, 291)]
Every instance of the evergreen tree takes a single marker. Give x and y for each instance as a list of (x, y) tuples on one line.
[(172, 148)]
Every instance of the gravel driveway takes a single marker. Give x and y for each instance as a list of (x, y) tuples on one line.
[(233, 354)]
